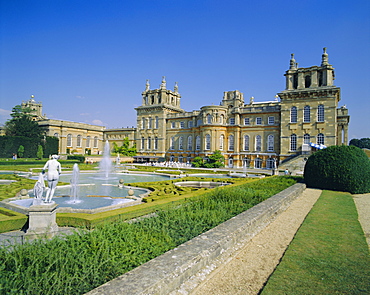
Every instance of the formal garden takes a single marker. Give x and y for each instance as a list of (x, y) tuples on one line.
[(329, 254)]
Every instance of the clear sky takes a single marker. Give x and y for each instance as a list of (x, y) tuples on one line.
[(87, 60)]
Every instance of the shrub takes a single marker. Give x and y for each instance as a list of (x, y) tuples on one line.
[(342, 168), (79, 158)]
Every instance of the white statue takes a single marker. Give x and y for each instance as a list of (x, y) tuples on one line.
[(54, 170)]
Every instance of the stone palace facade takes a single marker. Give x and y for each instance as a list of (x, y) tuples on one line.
[(248, 133)]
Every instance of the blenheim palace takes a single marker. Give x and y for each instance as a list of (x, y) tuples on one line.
[(249, 134)]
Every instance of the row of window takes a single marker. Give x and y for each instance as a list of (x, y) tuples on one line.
[(246, 142), (147, 123), (257, 162), (306, 140), (307, 114), (207, 143), (79, 140), (247, 121)]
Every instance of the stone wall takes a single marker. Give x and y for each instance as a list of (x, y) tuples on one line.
[(167, 272)]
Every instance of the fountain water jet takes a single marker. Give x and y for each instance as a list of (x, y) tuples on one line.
[(105, 165), (74, 184)]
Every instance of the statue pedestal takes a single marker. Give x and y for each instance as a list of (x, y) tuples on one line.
[(42, 220)]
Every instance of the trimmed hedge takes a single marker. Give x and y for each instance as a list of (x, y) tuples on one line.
[(10, 220), (340, 168), (10, 145)]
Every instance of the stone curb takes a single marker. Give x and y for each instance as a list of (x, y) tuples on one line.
[(166, 273)]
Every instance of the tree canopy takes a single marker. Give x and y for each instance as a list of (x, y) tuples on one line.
[(21, 124), (125, 149), (361, 143)]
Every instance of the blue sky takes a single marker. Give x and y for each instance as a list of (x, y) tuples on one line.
[(87, 61)]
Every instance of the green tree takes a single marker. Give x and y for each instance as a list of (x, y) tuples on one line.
[(23, 126), (40, 152), (361, 143), (215, 160), (18, 111), (125, 149), (20, 151), (197, 162)]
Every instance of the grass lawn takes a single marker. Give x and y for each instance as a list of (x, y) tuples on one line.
[(329, 254)]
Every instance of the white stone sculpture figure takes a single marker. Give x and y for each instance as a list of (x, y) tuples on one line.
[(39, 187), (54, 170)]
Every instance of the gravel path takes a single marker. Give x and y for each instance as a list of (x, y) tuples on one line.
[(363, 208), (248, 270)]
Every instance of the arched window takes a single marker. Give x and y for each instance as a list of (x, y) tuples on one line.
[(231, 142), (156, 143), (142, 143), (197, 143), (306, 139), (88, 138), (56, 134), (208, 142), (320, 113), (69, 140), (172, 143), (149, 143), (270, 143), (258, 163), (246, 142), (306, 114), (222, 119), (209, 119), (222, 140), (293, 142), (159, 98), (181, 145), (181, 159), (293, 115), (190, 143), (172, 158), (95, 142), (79, 140), (320, 138), (258, 143)]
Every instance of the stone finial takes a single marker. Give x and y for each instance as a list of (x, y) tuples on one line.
[(147, 85), (163, 85), (325, 59), (293, 64), (251, 101), (176, 88)]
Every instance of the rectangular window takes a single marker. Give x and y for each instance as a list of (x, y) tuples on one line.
[(271, 120), (173, 125), (190, 124), (246, 121), (182, 125), (258, 121), (232, 121)]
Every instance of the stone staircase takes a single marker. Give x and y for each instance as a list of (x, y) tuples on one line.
[(295, 165)]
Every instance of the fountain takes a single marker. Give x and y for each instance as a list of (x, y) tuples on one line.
[(105, 165), (74, 185)]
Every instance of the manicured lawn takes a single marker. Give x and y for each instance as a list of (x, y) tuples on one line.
[(329, 254)]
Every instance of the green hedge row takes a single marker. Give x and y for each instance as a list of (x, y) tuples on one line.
[(10, 220), (9, 145)]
